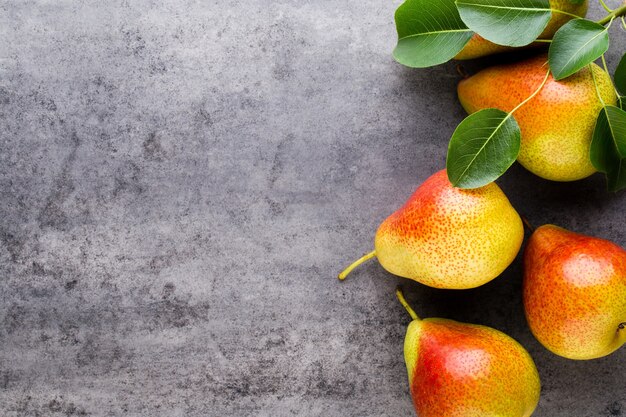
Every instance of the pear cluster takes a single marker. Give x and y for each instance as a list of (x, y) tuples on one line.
[(574, 286)]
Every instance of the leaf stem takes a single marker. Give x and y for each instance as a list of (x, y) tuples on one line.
[(606, 68), (607, 8), (545, 79), (575, 16), (595, 83), (543, 40), (356, 263), (406, 305), (610, 23), (620, 11)]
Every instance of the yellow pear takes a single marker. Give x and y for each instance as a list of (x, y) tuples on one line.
[(557, 124), (478, 46), (446, 237)]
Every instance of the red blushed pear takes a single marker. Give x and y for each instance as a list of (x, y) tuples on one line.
[(575, 293), (466, 370), (447, 237)]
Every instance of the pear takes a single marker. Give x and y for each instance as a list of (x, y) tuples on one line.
[(575, 293), (466, 370), (478, 46), (557, 124), (447, 237)]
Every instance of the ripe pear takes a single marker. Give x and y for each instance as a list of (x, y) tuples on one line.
[(575, 293), (478, 46), (557, 124), (466, 370), (447, 237)]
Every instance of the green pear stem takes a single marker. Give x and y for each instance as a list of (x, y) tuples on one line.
[(356, 263), (620, 11), (406, 305)]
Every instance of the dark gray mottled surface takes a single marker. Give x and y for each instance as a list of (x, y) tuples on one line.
[(180, 182)]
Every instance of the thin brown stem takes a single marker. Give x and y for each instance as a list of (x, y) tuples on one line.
[(460, 69), (527, 224)]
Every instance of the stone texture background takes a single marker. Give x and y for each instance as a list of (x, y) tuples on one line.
[(180, 182)]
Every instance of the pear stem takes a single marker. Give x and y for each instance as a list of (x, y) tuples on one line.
[(460, 69), (356, 263), (406, 305)]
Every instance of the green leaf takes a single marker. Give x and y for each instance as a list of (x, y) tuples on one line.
[(575, 45), (608, 142), (482, 148), (429, 33), (608, 146), (506, 22), (621, 102), (620, 76)]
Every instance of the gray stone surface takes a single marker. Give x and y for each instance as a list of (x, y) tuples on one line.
[(180, 182)]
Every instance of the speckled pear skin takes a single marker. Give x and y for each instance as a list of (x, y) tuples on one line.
[(446, 237), (478, 46), (556, 125), (467, 370), (575, 293)]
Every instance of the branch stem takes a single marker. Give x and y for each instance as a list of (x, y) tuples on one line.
[(620, 11), (356, 263)]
